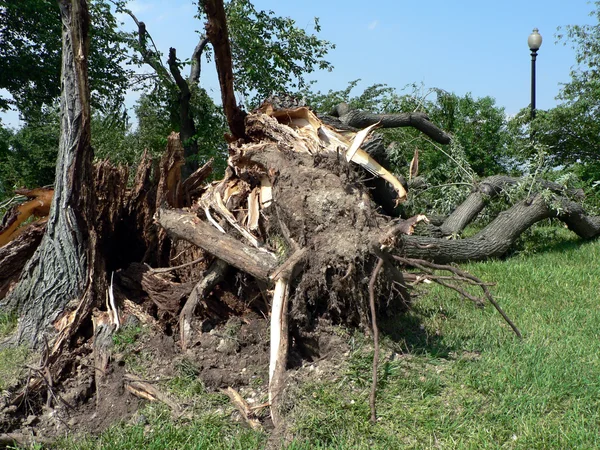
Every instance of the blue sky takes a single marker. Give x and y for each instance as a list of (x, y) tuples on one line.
[(477, 46)]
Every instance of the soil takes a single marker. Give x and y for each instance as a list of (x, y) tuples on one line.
[(321, 205), (231, 354)]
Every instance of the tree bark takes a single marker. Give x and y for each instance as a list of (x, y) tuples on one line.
[(58, 271), (495, 239), (216, 31), (488, 188)]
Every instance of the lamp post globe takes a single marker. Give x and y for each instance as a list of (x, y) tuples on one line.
[(535, 42)]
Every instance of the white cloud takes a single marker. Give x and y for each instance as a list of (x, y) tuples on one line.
[(373, 25)]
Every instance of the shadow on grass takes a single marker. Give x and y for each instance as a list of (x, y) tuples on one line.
[(546, 239), (408, 332)]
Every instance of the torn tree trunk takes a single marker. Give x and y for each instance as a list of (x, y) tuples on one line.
[(216, 31), (180, 225)]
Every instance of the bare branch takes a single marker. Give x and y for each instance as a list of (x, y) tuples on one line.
[(427, 267), (196, 61), (216, 30), (375, 337)]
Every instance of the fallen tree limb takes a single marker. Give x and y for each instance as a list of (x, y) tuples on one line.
[(488, 188), (361, 119), (495, 239), (187, 226)]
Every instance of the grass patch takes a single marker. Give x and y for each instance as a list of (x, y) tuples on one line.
[(8, 323), (12, 361), (451, 375), (126, 337), (159, 432)]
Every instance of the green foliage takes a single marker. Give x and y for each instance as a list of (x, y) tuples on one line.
[(478, 126), (30, 56), (377, 98), (112, 139), (571, 131), (29, 155), (210, 129), (154, 123)]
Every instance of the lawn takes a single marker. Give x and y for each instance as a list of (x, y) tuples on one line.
[(452, 375)]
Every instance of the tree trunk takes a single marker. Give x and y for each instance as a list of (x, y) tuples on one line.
[(216, 31), (489, 188), (58, 271), (187, 128), (495, 239)]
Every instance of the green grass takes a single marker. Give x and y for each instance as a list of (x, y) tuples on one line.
[(12, 359), (126, 337), (466, 381), (8, 324), (160, 432), (12, 365), (451, 375)]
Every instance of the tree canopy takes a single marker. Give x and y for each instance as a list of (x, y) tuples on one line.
[(30, 55)]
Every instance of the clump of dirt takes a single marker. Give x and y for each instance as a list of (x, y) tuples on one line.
[(328, 210)]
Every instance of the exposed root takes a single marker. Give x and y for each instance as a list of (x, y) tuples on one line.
[(214, 275), (375, 338), (460, 275), (143, 389), (248, 413)]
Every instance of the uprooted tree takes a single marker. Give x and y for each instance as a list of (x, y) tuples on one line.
[(293, 213)]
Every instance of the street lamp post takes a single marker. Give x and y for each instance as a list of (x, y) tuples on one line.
[(535, 41)]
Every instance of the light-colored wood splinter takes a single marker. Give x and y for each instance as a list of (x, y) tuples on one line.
[(279, 344)]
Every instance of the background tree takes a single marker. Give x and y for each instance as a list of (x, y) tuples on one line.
[(570, 132), (30, 152), (31, 53), (270, 54)]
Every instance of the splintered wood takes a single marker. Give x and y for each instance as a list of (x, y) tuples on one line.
[(238, 202)]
